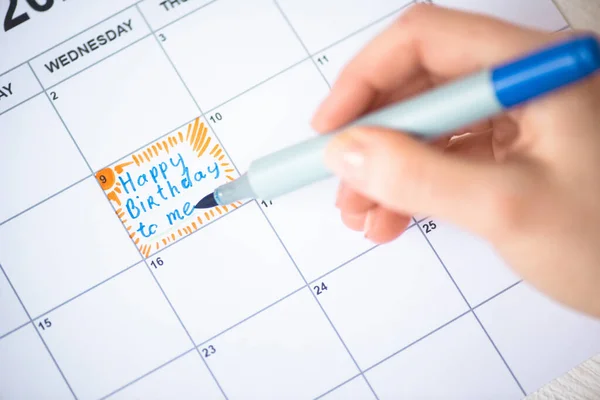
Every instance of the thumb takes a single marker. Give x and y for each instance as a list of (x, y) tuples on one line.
[(408, 176)]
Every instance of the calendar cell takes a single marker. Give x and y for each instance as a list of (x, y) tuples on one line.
[(64, 246), (332, 60), (321, 23), (213, 287), (288, 102), (458, 359), (539, 338), (154, 190), (124, 102), (356, 389), (28, 371), (185, 378), (306, 220), (11, 310), (89, 47), (113, 334), (389, 297), (32, 172), (162, 12), (217, 63), (288, 351), (538, 14), (478, 270), (17, 86)]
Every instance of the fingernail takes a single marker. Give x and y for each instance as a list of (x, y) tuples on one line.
[(369, 223), (346, 157)]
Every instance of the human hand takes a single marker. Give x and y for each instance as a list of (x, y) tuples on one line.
[(528, 181)]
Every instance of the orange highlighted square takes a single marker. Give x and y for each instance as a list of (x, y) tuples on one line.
[(155, 189)]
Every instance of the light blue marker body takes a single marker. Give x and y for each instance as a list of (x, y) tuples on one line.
[(427, 116)]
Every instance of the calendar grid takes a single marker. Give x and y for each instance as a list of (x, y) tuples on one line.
[(262, 211), (472, 311), (369, 368), (139, 378), (110, 278), (506, 289), (245, 91), (45, 199), (338, 386), (301, 43), (187, 89), (37, 331), (125, 228), (499, 353), (321, 306), (99, 61), (304, 288), (14, 330), (71, 37), (21, 102), (445, 324), (62, 121), (306, 285), (265, 309)]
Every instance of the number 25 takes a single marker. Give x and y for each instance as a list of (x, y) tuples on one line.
[(429, 226)]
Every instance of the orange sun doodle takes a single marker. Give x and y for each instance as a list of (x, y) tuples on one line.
[(146, 187)]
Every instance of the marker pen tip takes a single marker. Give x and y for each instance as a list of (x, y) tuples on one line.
[(207, 201)]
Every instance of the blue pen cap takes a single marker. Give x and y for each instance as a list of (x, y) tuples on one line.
[(546, 70)]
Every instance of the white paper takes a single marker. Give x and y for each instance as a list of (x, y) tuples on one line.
[(115, 117)]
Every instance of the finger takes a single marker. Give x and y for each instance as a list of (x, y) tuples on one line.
[(350, 201), (425, 40), (347, 102), (473, 145), (383, 225), (409, 177), (354, 221)]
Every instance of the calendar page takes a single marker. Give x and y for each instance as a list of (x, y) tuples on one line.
[(117, 116)]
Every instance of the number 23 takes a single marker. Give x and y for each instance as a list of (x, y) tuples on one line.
[(208, 351)]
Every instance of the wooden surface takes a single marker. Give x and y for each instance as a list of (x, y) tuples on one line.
[(583, 382)]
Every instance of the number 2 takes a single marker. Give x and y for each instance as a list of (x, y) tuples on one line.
[(53, 95), (208, 351), (10, 21)]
